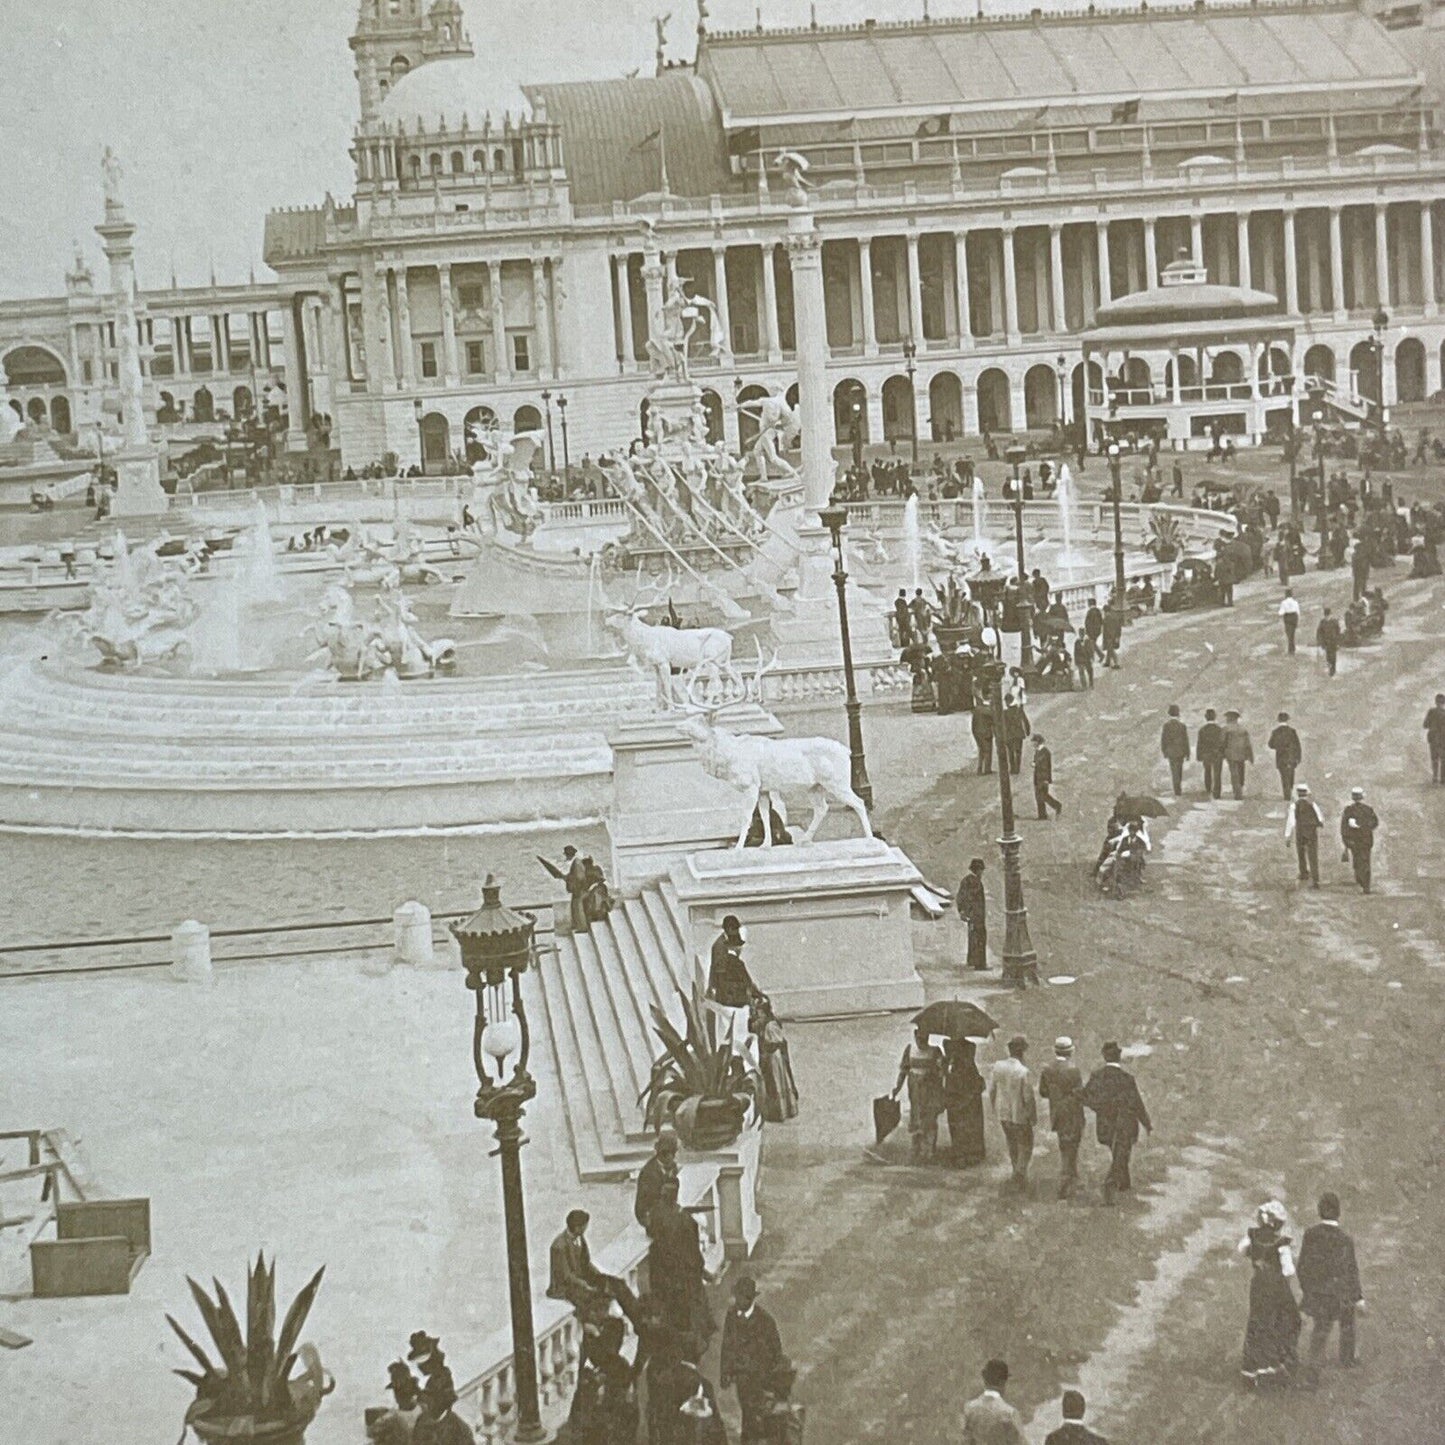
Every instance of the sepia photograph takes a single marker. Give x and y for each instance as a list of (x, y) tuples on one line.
[(722, 726)]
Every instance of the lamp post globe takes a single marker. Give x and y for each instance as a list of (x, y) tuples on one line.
[(496, 948)]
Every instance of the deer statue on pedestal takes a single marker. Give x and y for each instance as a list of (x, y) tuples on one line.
[(667, 650)]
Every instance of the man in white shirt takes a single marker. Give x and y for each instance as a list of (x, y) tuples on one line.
[(1289, 615), (1302, 823), (1011, 1092)]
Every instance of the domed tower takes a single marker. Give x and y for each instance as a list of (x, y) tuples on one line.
[(393, 37)]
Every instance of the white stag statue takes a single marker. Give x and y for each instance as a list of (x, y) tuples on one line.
[(766, 769), (667, 651)]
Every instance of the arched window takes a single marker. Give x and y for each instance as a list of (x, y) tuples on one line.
[(526, 418), (945, 407), (850, 412), (712, 410), (60, 414), (33, 366), (995, 405), (459, 163), (416, 168), (499, 159), (479, 160), (434, 163), (1041, 397)]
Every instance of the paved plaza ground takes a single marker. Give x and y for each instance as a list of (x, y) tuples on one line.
[(1285, 1041)]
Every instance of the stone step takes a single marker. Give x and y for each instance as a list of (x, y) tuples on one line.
[(684, 960), (657, 945), (618, 974), (605, 1001), (654, 978)]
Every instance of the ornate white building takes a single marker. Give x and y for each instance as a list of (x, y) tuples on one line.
[(982, 189)]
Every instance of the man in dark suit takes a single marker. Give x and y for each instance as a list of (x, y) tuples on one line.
[(1061, 1084), (1329, 1280), (973, 909), (573, 1277), (1119, 1112), (751, 1352), (1209, 750), (1174, 745), (1073, 1431), (1357, 832), (989, 1419), (1284, 743), (1043, 779), (651, 1177)]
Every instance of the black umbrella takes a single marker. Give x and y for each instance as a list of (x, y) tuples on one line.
[(1139, 805), (954, 1018), (887, 1111)]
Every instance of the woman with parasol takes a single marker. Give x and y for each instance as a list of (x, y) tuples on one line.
[(959, 1023)]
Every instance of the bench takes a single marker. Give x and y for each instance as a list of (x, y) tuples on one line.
[(98, 1248)]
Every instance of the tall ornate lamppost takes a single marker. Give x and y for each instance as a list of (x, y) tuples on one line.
[(1116, 496), (1015, 455), (566, 452), (496, 947), (1020, 962), (1061, 366), (1320, 496), (857, 435), (416, 411), (834, 516), (551, 446), (910, 354), (1380, 320)]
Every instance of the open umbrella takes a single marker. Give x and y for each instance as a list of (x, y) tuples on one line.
[(954, 1018), (1139, 805)]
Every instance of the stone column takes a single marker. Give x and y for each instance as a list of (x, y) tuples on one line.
[(1337, 264), (1254, 355), (960, 282), (295, 380), (1106, 286), (1010, 287), (815, 411), (1241, 234), (1174, 376), (404, 343), (221, 344), (1382, 254), (770, 303), (183, 352), (502, 363), (720, 301), (340, 341), (451, 364), (376, 308), (1196, 239), (915, 291), (1427, 263), (1151, 255), (1432, 370), (865, 296), (1291, 267), (1056, 279), (541, 319)]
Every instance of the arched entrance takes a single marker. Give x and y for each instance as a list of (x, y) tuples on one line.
[(60, 414), (1188, 371), (1319, 363), (203, 405), (1365, 368), (436, 443), (37, 411), (945, 407), (1226, 368), (1041, 398), (748, 414), (477, 426), (1136, 375), (1092, 380), (994, 409), (526, 418), (33, 366), (850, 413), (712, 413), (242, 403), (1410, 370), (898, 411)]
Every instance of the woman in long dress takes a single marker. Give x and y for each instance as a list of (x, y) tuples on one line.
[(963, 1088), (780, 1091), (921, 1068), (1271, 1338)]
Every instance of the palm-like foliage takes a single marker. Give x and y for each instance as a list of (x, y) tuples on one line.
[(1166, 539), (249, 1382), (693, 1065), (955, 609)]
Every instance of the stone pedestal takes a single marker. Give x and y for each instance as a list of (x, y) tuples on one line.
[(828, 924), (664, 806), (670, 411), (138, 491)]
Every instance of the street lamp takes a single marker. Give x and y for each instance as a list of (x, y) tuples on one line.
[(416, 411), (910, 353), (834, 517), (1380, 320), (857, 435), (1116, 495), (562, 412), (1061, 366), (1015, 455), (1020, 962), (496, 949), (551, 448)]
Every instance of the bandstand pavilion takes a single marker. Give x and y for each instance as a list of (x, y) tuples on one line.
[(1224, 355)]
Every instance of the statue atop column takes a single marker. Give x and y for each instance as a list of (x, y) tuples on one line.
[(113, 175), (794, 170)]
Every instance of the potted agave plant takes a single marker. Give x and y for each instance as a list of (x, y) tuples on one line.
[(955, 613), (698, 1085), (251, 1394)]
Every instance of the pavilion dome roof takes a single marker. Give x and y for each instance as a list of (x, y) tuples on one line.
[(1185, 295), (440, 92)]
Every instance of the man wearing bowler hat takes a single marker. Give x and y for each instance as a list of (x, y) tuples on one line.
[(1119, 1112)]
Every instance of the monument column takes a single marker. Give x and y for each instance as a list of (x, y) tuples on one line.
[(770, 304), (1056, 277), (915, 291), (1427, 261), (1241, 237), (1382, 254), (1010, 288), (502, 364), (1106, 285), (960, 283), (815, 412), (865, 295), (451, 370), (137, 464), (720, 301), (1337, 264), (542, 318), (1291, 267)]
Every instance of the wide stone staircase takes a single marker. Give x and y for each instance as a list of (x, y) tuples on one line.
[(599, 988)]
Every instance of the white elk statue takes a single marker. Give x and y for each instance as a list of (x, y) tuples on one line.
[(667, 651), (766, 769)]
